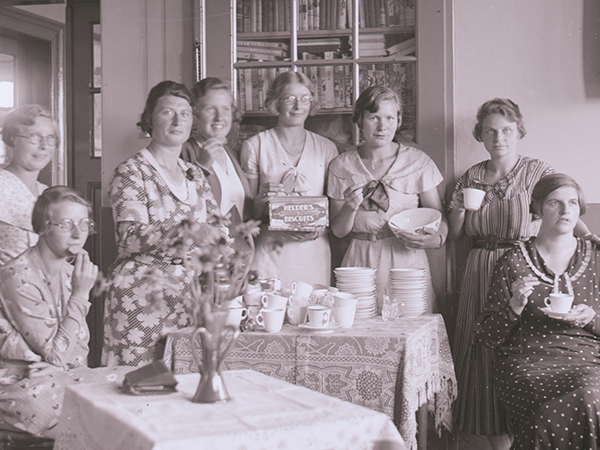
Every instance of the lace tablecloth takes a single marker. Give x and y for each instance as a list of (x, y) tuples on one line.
[(265, 413), (392, 367)]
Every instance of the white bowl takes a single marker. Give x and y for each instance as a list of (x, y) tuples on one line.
[(416, 220)]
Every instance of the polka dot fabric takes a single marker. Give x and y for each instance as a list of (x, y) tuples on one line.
[(546, 372)]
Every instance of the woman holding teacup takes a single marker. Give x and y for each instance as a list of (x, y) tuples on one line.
[(502, 220), (547, 363), (379, 179)]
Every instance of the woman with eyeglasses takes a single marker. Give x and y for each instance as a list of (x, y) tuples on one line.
[(289, 160), (152, 193), (43, 305), (31, 136)]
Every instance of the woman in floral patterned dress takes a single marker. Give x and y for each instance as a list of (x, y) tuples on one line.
[(152, 193), (43, 305), (32, 135)]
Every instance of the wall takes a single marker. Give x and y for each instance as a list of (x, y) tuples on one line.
[(533, 52)]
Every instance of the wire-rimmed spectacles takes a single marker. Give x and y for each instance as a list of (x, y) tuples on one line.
[(85, 225), (292, 99), (36, 139)]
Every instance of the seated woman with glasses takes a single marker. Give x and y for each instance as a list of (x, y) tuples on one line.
[(43, 305), (289, 160), (31, 136)]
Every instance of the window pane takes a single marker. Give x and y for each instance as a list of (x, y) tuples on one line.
[(97, 125), (7, 81), (97, 55)]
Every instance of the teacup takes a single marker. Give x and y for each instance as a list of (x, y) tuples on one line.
[(301, 290), (560, 303), (344, 315), (271, 319), (345, 299), (274, 301), (318, 316), (296, 313), (472, 198), (235, 316), (253, 298)]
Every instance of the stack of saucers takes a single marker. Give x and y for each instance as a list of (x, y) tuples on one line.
[(408, 286), (359, 281)]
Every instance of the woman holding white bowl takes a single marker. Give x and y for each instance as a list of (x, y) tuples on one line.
[(369, 185)]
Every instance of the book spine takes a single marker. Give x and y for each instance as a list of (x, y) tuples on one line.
[(263, 50), (239, 16), (382, 15), (263, 86), (287, 4), (253, 56), (302, 14), (333, 14), (342, 15), (350, 11), (338, 87), (348, 85), (241, 91), (310, 14), (316, 14), (248, 81), (269, 44), (259, 16), (324, 14), (409, 13), (313, 74), (362, 19), (253, 15), (276, 21), (255, 89), (329, 88)]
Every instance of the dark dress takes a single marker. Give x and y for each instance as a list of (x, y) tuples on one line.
[(546, 372), (503, 215)]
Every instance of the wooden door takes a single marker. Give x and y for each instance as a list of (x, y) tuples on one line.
[(84, 146)]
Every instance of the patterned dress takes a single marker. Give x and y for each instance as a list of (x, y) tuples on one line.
[(37, 323), (412, 173), (546, 372), (504, 214), (135, 321), (16, 205), (264, 158)]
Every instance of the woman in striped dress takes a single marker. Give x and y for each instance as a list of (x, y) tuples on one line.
[(503, 220)]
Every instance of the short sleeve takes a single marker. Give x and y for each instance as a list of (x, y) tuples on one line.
[(339, 176), (128, 195), (249, 160)]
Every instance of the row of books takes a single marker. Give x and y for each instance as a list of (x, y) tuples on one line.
[(262, 51), (257, 16), (377, 46), (333, 84)]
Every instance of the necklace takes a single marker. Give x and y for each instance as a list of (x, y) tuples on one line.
[(292, 150)]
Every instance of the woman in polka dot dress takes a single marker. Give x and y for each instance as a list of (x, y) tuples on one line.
[(547, 369)]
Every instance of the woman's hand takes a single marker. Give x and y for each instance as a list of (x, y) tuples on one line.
[(353, 196), (429, 239), (580, 315), (592, 237), (302, 236), (214, 148), (84, 276), (42, 369), (522, 289), (268, 190)]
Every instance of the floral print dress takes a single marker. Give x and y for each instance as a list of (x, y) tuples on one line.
[(38, 323), (16, 205), (135, 320)]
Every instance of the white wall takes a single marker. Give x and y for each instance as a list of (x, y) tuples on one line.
[(534, 52)]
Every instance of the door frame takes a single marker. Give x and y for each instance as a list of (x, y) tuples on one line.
[(47, 30)]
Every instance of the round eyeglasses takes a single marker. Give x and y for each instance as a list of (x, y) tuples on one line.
[(292, 99), (36, 139), (85, 225)]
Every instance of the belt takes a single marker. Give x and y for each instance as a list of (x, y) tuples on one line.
[(493, 243), (372, 236)]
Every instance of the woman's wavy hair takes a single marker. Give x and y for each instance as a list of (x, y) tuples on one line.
[(202, 87), (23, 116), (160, 90), (548, 184), (281, 81), (503, 106), (370, 99), (41, 215)]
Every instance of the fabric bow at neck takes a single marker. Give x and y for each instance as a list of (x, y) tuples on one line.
[(375, 196), (295, 181)]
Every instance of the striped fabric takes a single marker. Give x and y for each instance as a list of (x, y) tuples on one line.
[(504, 215)]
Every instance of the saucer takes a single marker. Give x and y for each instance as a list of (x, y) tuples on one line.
[(556, 315), (327, 329)]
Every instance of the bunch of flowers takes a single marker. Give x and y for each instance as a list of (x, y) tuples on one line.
[(219, 259)]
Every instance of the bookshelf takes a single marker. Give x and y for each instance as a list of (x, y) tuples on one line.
[(318, 38)]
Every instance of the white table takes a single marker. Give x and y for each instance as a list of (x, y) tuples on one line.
[(265, 413)]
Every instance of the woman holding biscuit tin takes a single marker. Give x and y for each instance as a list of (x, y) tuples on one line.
[(289, 160), (502, 221), (379, 179)]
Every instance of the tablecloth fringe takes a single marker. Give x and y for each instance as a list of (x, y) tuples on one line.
[(439, 405)]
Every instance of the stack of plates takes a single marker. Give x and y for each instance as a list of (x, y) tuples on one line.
[(408, 286), (359, 281)]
